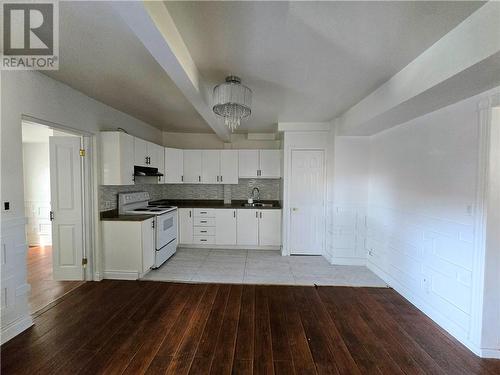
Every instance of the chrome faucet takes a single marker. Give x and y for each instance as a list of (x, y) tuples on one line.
[(256, 196)]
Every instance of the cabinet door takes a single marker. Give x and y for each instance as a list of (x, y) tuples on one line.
[(225, 227), (156, 155), (173, 166), (210, 166), (270, 228), (270, 163), (140, 152), (117, 158), (192, 166), (185, 225), (148, 244), (248, 163), (247, 227), (229, 166)]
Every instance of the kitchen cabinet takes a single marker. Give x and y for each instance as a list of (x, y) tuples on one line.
[(210, 166), (270, 163), (185, 221), (269, 227), (128, 248), (192, 166), (247, 227), (225, 228), (117, 158), (248, 163), (148, 154), (174, 166), (259, 163), (229, 166)]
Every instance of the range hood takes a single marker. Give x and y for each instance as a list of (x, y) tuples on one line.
[(146, 171)]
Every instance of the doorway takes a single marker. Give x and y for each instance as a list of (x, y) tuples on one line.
[(307, 202), (54, 207)]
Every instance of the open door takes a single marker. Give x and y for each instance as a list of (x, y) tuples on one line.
[(66, 207)]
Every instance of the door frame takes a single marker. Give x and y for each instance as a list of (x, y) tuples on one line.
[(306, 141), (89, 193)]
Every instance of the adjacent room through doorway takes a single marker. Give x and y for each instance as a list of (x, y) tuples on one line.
[(46, 285)]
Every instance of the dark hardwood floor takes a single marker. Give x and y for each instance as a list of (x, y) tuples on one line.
[(44, 289), (122, 327)]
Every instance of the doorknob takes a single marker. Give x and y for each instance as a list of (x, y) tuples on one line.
[(295, 209)]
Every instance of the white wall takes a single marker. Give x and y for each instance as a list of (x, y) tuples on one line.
[(34, 94), (421, 213), (350, 194), (211, 141)]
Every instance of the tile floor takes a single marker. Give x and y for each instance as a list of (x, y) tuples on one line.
[(259, 267)]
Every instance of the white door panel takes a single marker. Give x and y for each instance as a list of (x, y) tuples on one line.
[(192, 166), (248, 163), (173, 166), (247, 227), (270, 163), (66, 202), (185, 225), (229, 166), (210, 166), (307, 213), (225, 227), (270, 228)]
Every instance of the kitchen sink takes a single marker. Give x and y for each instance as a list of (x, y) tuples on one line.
[(257, 204)]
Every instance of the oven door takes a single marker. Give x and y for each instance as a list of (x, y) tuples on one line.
[(166, 228)]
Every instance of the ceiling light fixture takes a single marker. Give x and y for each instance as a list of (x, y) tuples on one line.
[(232, 102)]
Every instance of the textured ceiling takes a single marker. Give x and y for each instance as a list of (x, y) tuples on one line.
[(101, 57), (310, 61)]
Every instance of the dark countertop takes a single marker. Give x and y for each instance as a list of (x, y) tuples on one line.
[(214, 203), (112, 215)]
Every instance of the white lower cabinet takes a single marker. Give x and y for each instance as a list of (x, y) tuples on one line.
[(128, 248), (269, 227), (250, 228), (247, 232), (185, 225), (225, 227)]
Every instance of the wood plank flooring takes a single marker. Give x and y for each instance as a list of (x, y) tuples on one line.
[(44, 289), (145, 327)]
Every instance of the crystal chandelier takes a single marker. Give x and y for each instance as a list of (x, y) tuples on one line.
[(232, 101)]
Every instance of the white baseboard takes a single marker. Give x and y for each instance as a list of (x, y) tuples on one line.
[(448, 325), (15, 328), (347, 261), (490, 353), (121, 275)]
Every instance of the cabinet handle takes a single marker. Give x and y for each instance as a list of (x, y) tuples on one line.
[(146, 158), (51, 215), (261, 214), (234, 214), (153, 224), (182, 178), (203, 212), (217, 178), (189, 213), (203, 231), (203, 240), (199, 178), (256, 214), (220, 178), (203, 221)]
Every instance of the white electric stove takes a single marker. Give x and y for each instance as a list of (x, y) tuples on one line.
[(137, 203)]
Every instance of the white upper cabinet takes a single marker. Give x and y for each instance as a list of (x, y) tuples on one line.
[(156, 156), (117, 157), (140, 152), (260, 163), (210, 166), (174, 162), (270, 163), (229, 166), (248, 163), (148, 154), (192, 166)]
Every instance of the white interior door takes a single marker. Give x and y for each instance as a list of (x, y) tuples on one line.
[(66, 202), (307, 202)]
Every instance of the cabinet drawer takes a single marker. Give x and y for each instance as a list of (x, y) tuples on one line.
[(204, 212), (204, 240), (204, 231), (204, 222)]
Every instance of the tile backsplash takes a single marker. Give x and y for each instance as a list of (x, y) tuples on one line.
[(270, 189)]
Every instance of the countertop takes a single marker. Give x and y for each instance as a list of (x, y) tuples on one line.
[(112, 215), (214, 203)]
